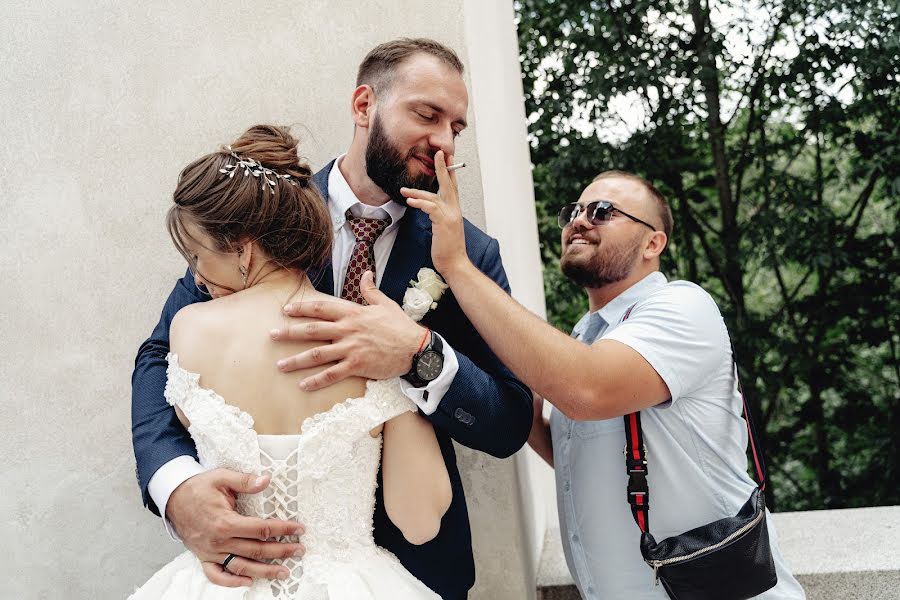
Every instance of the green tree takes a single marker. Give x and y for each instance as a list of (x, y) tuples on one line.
[(772, 127)]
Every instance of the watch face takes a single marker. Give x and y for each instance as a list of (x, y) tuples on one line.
[(430, 365)]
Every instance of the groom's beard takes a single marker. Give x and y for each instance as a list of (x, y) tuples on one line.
[(389, 168)]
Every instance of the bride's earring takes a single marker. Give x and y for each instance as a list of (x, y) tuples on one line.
[(242, 268)]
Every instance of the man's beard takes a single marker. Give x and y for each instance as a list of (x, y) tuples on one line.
[(388, 167), (604, 266)]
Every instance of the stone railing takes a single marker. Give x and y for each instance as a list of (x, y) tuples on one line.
[(835, 554)]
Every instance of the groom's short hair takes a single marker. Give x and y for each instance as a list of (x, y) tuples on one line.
[(380, 64)]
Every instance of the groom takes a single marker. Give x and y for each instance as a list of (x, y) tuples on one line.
[(410, 102)]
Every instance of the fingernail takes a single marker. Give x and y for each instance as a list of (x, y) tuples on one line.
[(288, 307), (283, 575), (259, 481), (304, 386), (282, 364), (274, 334), (299, 552)]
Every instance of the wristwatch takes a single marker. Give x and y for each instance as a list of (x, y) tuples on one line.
[(427, 364)]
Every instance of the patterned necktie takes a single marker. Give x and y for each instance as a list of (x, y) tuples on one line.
[(366, 232)]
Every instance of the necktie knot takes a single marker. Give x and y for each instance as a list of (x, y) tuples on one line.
[(365, 229)]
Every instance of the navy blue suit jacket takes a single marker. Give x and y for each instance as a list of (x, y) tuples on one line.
[(486, 407)]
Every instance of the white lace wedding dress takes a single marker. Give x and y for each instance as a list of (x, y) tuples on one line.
[(325, 478)]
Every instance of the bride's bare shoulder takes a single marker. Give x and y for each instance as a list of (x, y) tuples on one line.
[(195, 328), (316, 295)]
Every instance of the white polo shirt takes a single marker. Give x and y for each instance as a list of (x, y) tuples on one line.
[(696, 442)]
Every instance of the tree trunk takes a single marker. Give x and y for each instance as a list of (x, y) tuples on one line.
[(732, 271), (708, 76)]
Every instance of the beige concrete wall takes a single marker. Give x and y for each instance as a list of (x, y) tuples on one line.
[(102, 103)]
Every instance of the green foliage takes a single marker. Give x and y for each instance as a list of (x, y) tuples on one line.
[(773, 127)]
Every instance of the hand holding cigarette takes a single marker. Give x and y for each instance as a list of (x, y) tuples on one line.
[(448, 241)]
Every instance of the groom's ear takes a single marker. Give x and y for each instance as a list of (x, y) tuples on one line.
[(362, 105)]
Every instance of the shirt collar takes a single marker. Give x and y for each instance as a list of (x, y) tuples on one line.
[(588, 328), (615, 309), (341, 199)]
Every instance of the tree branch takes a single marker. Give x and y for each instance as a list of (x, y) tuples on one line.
[(707, 249), (860, 205), (757, 69), (786, 298)]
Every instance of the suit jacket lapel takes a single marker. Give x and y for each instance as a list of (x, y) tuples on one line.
[(323, 277), (411, 252)]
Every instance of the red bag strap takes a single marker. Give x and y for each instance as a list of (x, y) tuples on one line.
[(638, 491)]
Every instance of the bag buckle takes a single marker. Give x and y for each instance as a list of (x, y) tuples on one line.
[(637, 487), (637, 479), (634, 465)]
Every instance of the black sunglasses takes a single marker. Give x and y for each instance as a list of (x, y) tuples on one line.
[(600, 211)]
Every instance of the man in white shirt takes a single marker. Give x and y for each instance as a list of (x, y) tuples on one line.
[(410, 103), (646, 345)]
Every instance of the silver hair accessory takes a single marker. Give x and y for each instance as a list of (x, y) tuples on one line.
[(251, 167)]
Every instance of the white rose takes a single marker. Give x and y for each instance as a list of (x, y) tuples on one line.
[(431, 282), (416, 303)]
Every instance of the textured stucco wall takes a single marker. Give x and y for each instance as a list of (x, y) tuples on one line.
[(102, 103)]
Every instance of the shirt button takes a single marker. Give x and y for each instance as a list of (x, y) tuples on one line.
[(590, 589), (566, 486), (575, 537)]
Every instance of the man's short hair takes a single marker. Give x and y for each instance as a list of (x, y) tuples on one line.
[(379, 66), (662, 207)]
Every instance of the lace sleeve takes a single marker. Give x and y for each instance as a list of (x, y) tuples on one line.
[(179, 382), (223, 433), (387, 401)]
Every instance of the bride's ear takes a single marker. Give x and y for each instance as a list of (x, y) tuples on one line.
[(245, 255)]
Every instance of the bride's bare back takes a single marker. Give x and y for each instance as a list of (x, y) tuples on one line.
[(227, 342)]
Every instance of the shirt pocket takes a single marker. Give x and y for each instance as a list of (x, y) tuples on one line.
[(591, 429)]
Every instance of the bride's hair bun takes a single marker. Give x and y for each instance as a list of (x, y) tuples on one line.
[(275, 205), (273, 147)]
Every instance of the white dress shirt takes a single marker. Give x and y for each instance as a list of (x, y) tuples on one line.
[(341, 199)]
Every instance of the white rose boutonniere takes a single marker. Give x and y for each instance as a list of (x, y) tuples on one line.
[(416, 303), (432, 283), (423, 293)]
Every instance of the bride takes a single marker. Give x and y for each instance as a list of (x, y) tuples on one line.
[(251, 225)]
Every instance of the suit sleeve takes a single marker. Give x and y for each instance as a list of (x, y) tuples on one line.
[(156, 433), (486, 408)]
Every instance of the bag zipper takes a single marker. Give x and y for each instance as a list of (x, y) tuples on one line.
[(656, 564)]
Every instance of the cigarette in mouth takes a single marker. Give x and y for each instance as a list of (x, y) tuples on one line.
[(456, 166)]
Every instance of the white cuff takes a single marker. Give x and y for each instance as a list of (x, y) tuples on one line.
[(166, 479), (437, 388)]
